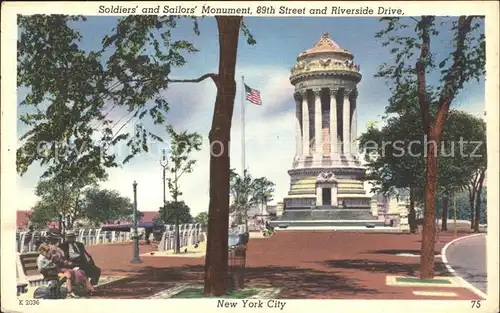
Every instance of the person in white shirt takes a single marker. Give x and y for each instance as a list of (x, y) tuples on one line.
[(43, 264)]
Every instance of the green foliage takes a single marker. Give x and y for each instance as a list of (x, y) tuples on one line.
[(410, 41), (241, 189), (263, 190), (182, 145), (42, 214), (60, 196), (395, 153), (246, 192), (267, 232), (103, 205), (94, 205), (463, 207), (464, 155), (202, 219), (72, 90), (171, 209)]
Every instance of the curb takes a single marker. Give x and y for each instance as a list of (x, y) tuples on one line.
[(465, 283)]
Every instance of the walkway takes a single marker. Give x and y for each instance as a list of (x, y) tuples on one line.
[(311, 265)]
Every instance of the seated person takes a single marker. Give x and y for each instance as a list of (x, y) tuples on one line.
[(75, 252), (56, 256), (45, 266)]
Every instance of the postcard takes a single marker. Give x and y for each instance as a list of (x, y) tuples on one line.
[(252, 156)]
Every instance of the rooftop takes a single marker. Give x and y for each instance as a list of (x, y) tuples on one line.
[(325, 44)]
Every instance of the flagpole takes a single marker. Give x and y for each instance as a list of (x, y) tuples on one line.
[(243, 151)]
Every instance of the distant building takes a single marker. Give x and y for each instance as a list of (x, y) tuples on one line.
[(23, 217)]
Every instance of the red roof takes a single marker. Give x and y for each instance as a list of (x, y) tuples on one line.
[(149, 216), (22, 219)]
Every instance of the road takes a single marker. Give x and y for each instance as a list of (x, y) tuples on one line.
[(468, 258)]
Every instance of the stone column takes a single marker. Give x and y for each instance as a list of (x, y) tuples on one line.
[(298, 131), (374, 207), (333, 123), (346, 132), (354, 120), (319, 196), (334, 196), (318, 121), (305, 123), (403, 222), (279, 209)]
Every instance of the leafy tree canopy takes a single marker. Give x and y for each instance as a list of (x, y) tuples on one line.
[(103, 205), (169, 212), (202, 219)]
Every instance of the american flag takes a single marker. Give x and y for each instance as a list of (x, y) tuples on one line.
[(253, 95)]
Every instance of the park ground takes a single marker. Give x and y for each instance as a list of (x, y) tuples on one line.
[(310, 265)]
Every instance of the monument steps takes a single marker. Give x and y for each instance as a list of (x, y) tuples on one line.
[(326, 216)]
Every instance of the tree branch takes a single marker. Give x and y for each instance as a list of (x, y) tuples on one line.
[(182, 172), (455, 78), (213, 76), (423, 97)]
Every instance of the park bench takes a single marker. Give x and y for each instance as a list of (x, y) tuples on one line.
[(27, 270)]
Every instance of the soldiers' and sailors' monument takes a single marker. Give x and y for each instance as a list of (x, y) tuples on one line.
[(326, 185)]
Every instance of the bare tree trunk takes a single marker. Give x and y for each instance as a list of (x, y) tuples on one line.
[(472, 214), (434, 133), (429, 227), (444, 213), (216, 263), (472, 198), (412, 216), (477, 212)]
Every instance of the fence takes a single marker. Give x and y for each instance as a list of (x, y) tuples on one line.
[(190, 234)]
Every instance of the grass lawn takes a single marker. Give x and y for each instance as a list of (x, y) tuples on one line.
[(198, 293), (425, 281)]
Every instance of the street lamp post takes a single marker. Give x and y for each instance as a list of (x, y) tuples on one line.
[(164, 165), (135, 236)]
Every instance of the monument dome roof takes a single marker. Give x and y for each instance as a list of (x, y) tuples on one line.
[(325, 44)]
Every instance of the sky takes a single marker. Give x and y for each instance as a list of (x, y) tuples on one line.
[(270, 128)]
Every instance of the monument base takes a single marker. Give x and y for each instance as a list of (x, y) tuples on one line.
[(332, 217)]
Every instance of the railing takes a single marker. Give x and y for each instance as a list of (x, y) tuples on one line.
[(189, 234)]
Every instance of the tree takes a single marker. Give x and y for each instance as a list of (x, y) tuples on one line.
[(103, 205), (202, 219), (182, 145), (41, 214), (246, 192), (95, 205), (242, 190), (464, 156), (72, 89), (173, 211), (61, 199), (465, 62), (263, 192), (390, 169)]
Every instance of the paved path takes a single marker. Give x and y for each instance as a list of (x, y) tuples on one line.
[(468, 258), (310, 265)]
